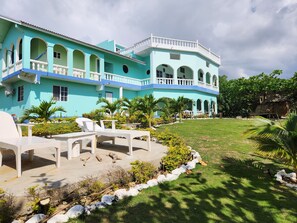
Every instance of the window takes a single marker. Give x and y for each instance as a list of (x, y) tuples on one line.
[(159, 73), (125, 69), (60, 93), (182, 70), (175, 56), (20, 93), (57, 55), (108, 96), (148, 72)]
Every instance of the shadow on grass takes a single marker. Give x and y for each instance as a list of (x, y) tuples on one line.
[(246, 194)]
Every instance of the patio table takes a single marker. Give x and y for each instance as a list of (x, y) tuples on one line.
[(74, 151)]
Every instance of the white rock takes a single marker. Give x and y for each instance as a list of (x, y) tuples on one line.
[(196, 155), (191, 165), (108, 199), (195, 160), (16, 221), (176, 171), (75, 211), (171, 177), (133, 192), (59, 218), (161, 178), (152, 182), (88, 212), (183, 168), (121, 193), (36, 218), (292, 176), (291, 185), (140, 187), (100, 205)]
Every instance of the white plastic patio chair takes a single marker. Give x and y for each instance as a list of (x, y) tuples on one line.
[(11, 139), (87, 125)]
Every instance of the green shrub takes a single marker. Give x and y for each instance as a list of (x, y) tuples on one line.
[(170, 139), (48, 129), (142, 171), (94, 115), (176, 156), (7, 207)]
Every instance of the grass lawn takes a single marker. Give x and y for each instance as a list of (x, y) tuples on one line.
[(233, 187)]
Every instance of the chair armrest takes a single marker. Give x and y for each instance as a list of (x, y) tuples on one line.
[(29, 126), (86, 127), (112, 123)]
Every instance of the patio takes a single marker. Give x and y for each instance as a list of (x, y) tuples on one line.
[(43, 170)]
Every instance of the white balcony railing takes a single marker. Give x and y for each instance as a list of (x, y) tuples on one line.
[(95, 76), (126, 80), (79, 73), (4, 72), (164, 81), (175, 44), (19, 65), (39, 65), (188, 82), (11, 69), (59, 69)]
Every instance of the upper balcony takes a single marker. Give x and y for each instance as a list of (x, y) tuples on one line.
[(141, 47)]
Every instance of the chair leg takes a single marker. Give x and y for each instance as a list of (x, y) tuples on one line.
[(31, 154), (18, 158), (129, 139), (93, 144), (1, 157), (58, 157)]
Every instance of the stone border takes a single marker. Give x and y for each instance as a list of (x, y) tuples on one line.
[(119, 194)]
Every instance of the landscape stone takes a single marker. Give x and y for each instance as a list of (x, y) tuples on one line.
[(75, 211), (59, 218)]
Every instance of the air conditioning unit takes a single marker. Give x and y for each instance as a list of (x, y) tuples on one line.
[(9, 92)]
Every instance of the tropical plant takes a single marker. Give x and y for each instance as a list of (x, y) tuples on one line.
[(167, 109), (148, 105), (44, 111), (179, 105), (277, 139), (110, 107), (130, 107)]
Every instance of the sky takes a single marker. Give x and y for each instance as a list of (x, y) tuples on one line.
[(251, 36)]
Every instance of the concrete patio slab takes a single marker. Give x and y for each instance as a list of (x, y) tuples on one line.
[(42, 171)]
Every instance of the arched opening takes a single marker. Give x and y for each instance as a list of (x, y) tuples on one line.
[(60, 60), (208, 78), (213, 107), (206, 107), (4, 63), (11, 55), (199, 105), (214, 81), (38, 55), (188, 113), (94, 67), (185, 75), (78, 64), (20, 50), (200, 75), (164, 74)]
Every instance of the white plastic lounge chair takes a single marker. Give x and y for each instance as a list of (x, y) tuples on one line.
[(11, 139), (87, 125)]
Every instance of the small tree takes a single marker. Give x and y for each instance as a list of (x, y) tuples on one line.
[(179, 105), (44, 111), (110, 107), (148, 105), (277, 139)]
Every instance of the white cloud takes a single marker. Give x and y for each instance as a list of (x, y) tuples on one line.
[(252, 36)]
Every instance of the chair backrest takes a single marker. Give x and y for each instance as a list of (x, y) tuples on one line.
[(87, 125), (8, 128)]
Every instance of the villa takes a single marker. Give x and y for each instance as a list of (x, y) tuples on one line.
[(37, 64)]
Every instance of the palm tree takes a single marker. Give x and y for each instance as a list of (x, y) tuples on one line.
[(130, 107), (148, 105), (179, 105), (110, 107), (277, 139), (167, 109), (44, 111)]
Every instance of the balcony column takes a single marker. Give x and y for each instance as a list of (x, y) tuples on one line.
[(195, 78), (70, 61), (50, 57), (87, 65), (153, 69), (121, 92), (102, 68), (16, 55), (26, 52), (175, 81)]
